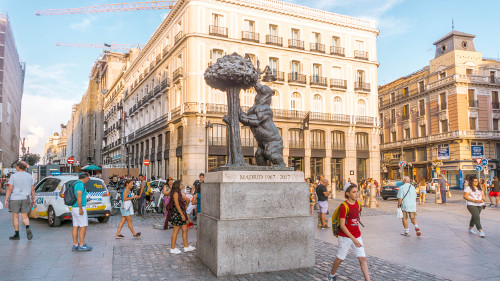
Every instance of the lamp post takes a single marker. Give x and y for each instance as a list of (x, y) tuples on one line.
[(208, 125)]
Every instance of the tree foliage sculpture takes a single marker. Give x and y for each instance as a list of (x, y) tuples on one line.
[(231, 74), (31, 158)]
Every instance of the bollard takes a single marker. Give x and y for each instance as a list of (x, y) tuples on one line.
[(373, 194), (438, 196)]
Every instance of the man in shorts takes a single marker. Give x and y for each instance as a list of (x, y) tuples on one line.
[(19, 189), (494, 192), (79, 214), (323, 194), (407, 201)]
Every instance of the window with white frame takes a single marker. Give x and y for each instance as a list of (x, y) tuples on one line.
[(336, 41), (295, 34), (217, 20), (275, 100), (248, 97), (361, 107), (473, 123), (296, 101), (336, 72), (337, 105), (273, 65), (216, 54), (249, 25), (359, 45), (273, 30), (317, 105)]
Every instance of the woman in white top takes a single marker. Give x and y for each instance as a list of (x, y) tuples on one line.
[(422, 191), (474, 198)]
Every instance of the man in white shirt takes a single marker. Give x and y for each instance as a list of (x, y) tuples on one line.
[(20, 186)]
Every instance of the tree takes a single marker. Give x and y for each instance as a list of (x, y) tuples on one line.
[(31, 158), (231, 74)]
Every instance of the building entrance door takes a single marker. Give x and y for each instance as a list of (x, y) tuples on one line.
[(337, 170)]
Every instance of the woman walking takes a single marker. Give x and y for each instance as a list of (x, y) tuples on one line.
[(312, 192), (176, 214), (422, 187), (127, 212), (475, 198)]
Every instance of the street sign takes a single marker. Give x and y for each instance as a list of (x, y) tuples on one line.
[(71, 160), (77, 163), (414, 171), (402, 164), (438, 170), (484, 162), (478, 168), (478, 160), (146, 162)]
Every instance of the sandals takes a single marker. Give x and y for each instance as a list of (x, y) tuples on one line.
[(137, 235), (119, 236)]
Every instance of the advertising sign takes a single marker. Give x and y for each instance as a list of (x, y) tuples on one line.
[(477, 151), (443, 152)]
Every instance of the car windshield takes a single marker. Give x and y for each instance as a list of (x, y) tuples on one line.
[(393, 183), (91, 185)]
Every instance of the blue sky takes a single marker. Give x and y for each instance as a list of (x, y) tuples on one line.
[(57, 76)]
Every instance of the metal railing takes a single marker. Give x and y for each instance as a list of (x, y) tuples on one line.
[(495, 105), (337, 51), (362, 147), (178, 73), (218, 31), (362, 55), (164, 83), (317, 47), (250, 36), (178, 36), (274, 40), (367, 120), (217, 141), (248, 142), (338, 83), (296, 77), (280, 76), (330, 117), (296, 144), (316, 80), (296, 44), (362, 86), (338, 146), (473, 103), (317, 145)]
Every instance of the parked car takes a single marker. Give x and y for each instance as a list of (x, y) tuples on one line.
[(49, 199), (390, 189), (432, 185)]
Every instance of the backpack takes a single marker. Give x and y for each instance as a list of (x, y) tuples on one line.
[(336, 217), (69, 195)]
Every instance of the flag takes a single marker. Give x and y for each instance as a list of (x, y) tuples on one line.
[(305, 122)]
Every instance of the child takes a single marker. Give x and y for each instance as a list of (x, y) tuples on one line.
[(350, 235)]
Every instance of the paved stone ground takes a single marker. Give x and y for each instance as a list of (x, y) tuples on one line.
[(141, 263)]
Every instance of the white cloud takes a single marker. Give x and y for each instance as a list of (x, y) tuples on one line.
[(52, 81), (83, 25), (40, 117)]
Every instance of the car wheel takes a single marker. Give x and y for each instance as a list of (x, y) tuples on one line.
[(385, 197), (53, 220), (103, 219)]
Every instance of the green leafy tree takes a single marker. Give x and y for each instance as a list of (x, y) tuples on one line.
[(31, 158)]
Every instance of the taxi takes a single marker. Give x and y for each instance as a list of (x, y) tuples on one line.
[(49, 199)]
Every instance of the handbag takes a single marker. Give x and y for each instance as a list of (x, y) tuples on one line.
[(33, 213)]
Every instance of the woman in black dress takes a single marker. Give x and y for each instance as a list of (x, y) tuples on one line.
[(177, 216)]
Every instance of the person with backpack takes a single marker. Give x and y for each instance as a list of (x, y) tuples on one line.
[(79, 213), (407, 201), (127, 211), (346, 227)]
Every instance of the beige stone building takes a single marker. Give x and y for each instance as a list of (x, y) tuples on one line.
[(326, 64), (447, 112)]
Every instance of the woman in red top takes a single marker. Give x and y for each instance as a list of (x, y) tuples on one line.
[(349, 234)]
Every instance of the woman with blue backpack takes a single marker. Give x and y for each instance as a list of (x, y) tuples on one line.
[(127, 210)]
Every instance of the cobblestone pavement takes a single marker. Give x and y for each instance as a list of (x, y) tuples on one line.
[(141, 263)]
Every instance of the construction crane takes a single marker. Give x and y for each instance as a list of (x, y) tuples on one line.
[(101, 46), (118, 7)]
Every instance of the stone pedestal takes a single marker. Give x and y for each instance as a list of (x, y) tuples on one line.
[(255, 221)]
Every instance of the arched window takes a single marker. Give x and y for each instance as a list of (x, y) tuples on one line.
[(247, 138), (361, 107), (360, 77), (317, 139), (362, 141), (296, 139), (317, 105), (275, 100), (296, 101), (217, 135), (338, 140), (337, 105), (248, 97)]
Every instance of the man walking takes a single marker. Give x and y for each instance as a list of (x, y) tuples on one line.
[(442, 188), (79, 213), (142, 195), (494, 192), (19, 188), (323, 194), (407, 201)]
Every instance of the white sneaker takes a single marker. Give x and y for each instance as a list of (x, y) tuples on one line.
[(175, 251), (405, 233), (472, 231), (481, 234), (189, 249)]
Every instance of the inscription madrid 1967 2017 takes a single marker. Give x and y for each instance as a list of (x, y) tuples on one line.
[(264, 177)]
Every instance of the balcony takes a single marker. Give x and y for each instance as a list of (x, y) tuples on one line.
[(164, 84), (362, 55), (337, 51), (295, 77), (495, 105), (165, 50), (366, 120), (221, 141), (280, 76), (274, 40), (473, 103), (296, 44), (296, 144), (178, 37), (338, 146), (317, 47), (318, 81), (362, 86), (250, 36), (362, 147), (329, 117), (318, 145), (218, 31), (338, 83), (178, 73)]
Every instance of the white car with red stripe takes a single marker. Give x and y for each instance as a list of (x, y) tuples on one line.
[(49, 194)]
